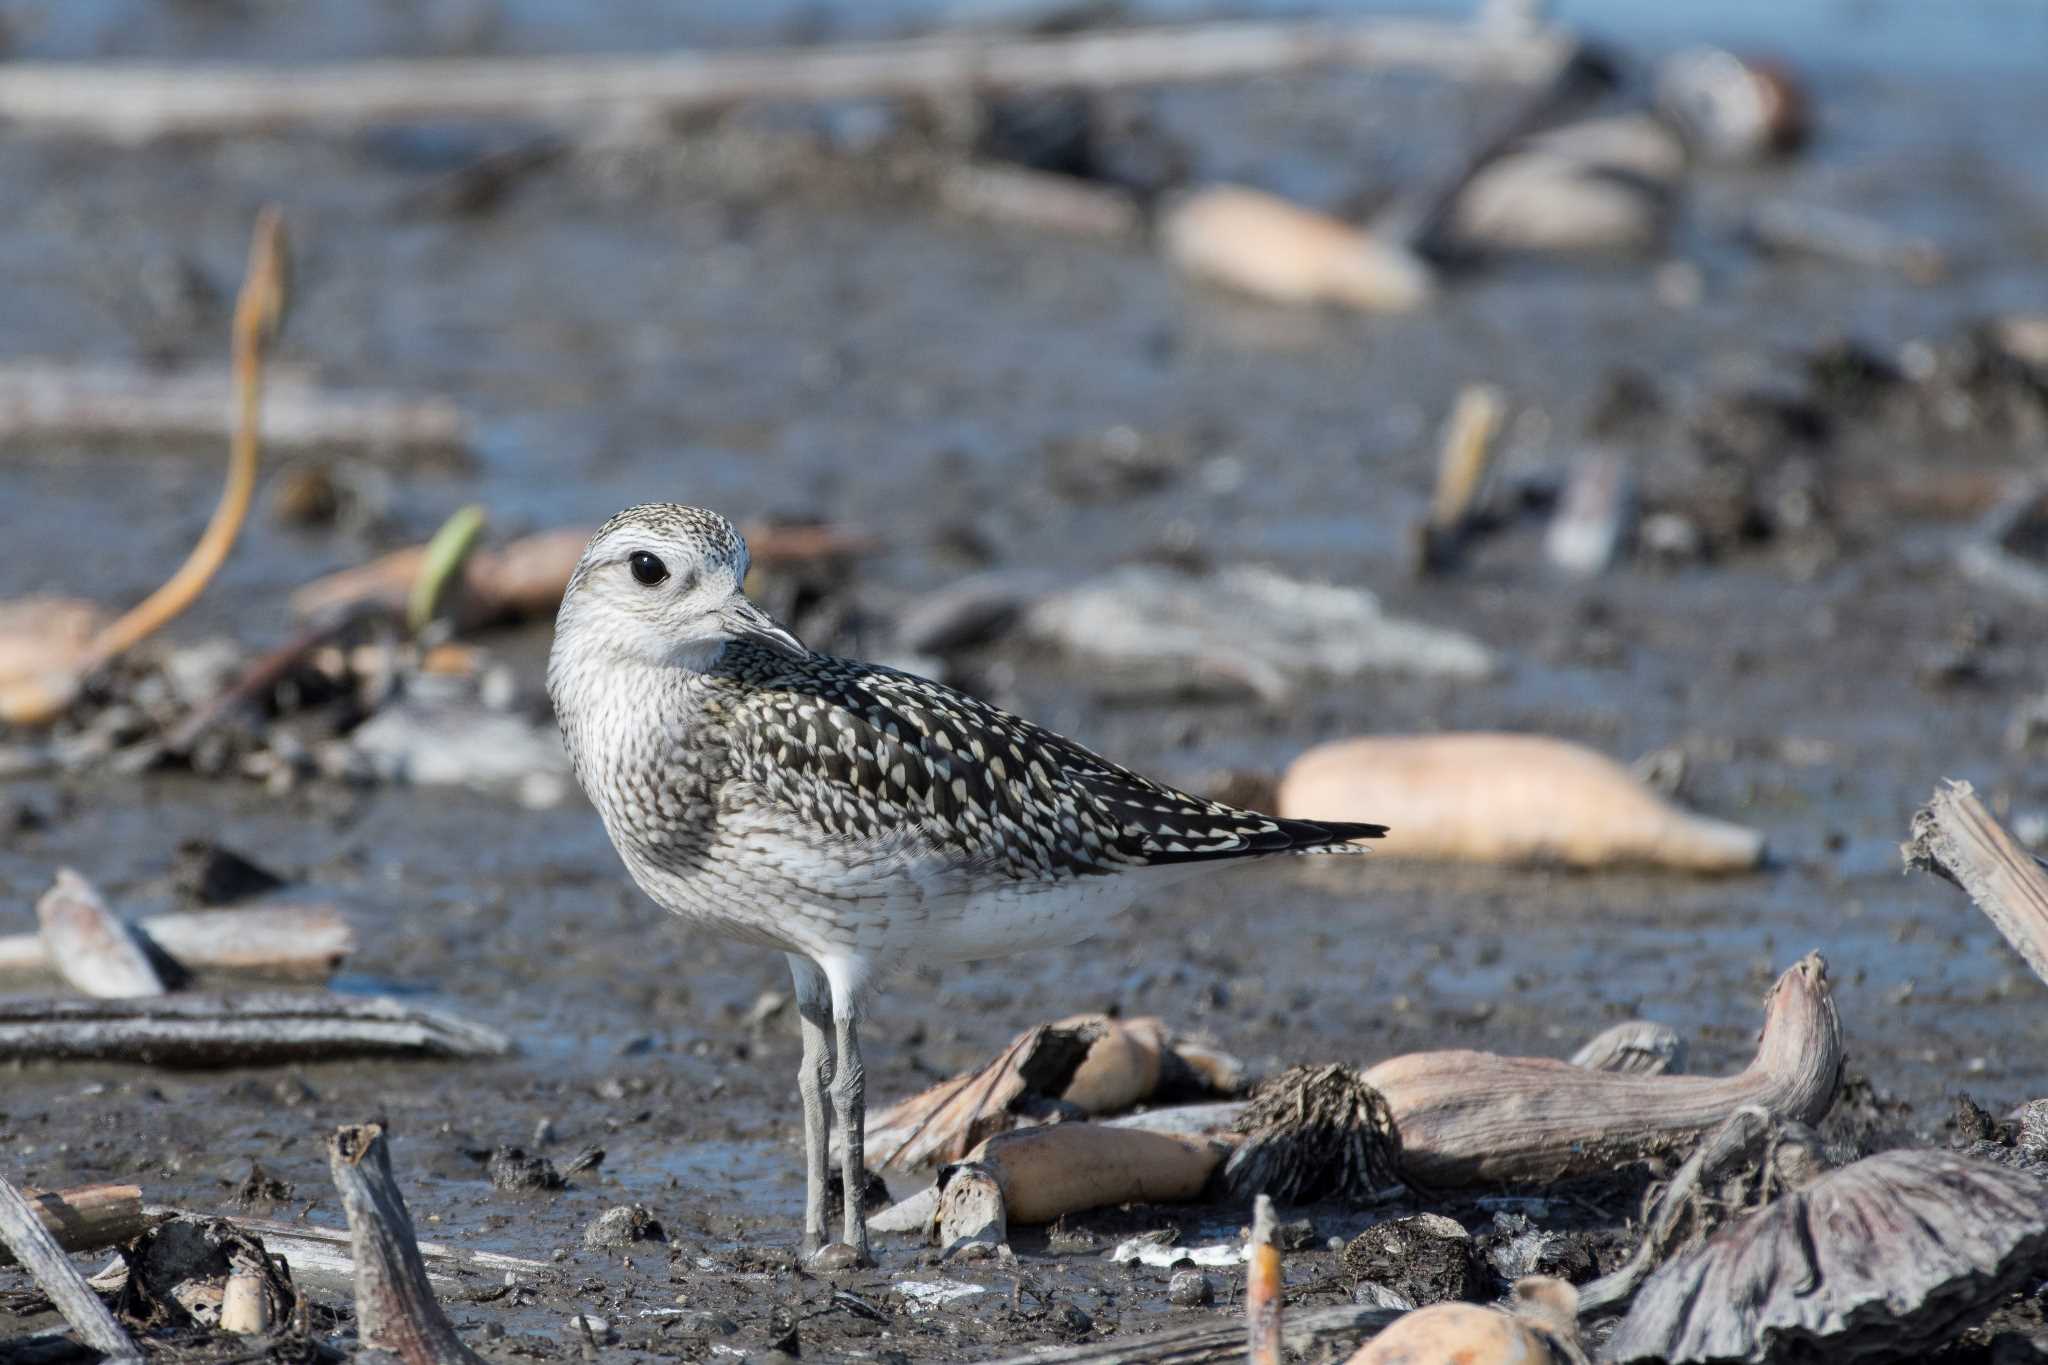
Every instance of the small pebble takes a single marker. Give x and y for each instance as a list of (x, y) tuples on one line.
[(1190, 1289)]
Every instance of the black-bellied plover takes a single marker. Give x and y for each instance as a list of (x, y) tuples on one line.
[(853, 816)]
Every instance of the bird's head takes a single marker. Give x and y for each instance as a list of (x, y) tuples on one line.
[(662, 584)]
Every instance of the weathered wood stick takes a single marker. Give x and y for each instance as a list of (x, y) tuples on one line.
[(321, 1255), (274, 939), (395, 1306), (89, 947), (235, 1030), (1310, 1334), (1472, 1117), (135, 103), (1956, 838), (23, 1233), (43, 401), (88, 1217), (1263, 1288)]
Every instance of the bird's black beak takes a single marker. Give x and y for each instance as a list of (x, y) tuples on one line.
[(745, 621)]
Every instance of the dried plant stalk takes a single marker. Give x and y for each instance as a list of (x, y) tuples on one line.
[(1263, 1288), (259, 310)]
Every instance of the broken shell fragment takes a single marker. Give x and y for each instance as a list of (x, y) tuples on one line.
[(1502, 798), (1471, 1117), (1262, 245), (1881, 1260)]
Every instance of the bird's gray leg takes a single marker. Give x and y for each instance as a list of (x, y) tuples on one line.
[(850, 1107), (813, 1078)]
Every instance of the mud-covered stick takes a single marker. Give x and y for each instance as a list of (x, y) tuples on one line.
[(235, 1030), (136, 102), (1955, 837), (395, 1306), (1262, 1288), (89, 947), (88, 1217), (23, 1233), (299, 941), (321, 1254)]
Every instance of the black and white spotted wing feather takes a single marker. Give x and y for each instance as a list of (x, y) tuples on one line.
[(867, 753)]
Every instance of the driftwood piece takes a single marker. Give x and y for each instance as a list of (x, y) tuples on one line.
[(1882, 1260), (23, 1233), (2005, 551), (1507, 798), (322, 1255), (91, 949), (235, 1030), (44, 402), (1955, 837), (395, 1306), (1469, 1117), (1039, 199), (524, 578), (137, 102), (1307, 1334), (279, 939), (1640, 1047), (88, 1217)]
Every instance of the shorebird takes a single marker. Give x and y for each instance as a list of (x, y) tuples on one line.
[(854, 817)]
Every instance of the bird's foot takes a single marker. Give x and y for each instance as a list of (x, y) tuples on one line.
[(837, 1256)]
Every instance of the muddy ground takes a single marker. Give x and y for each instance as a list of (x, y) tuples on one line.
[(674, 322)]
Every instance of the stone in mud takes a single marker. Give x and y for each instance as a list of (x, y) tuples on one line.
[(513, 1171), (1426, 1258), (621, 1226)]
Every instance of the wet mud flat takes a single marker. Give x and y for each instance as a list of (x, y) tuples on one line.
[(662, 323)]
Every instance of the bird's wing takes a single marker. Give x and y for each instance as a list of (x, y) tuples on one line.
[(874, 755)]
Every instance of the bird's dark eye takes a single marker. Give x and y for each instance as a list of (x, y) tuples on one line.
[(647, 567)]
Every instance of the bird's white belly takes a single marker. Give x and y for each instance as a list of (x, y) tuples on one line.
[(992, 922)]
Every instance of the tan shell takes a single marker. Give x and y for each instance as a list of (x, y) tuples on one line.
[(1265, 246), (1501, 798)]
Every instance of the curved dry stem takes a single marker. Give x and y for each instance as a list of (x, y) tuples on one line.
[(259, 309)]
